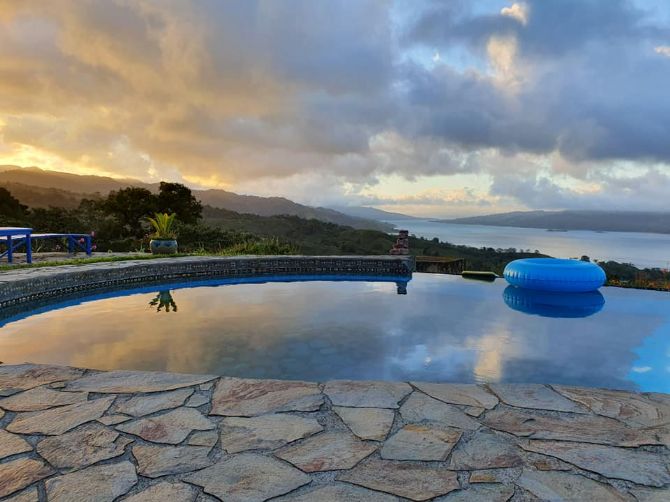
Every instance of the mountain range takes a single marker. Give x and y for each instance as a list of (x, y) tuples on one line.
[(37, 187)]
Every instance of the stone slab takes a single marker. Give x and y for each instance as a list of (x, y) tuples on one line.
[(20, 377), (651, 494), (113, 419), (368, 394), (82, 447), (204, 438), (474, 411), (485, 450), (534, 396), (56, 421), (197, 400), (101, 483), (339, 492), (29, 495), (568, 427), (12, 444), (633, 409), (500, 475), (404, 479), (171, 427), (367, 423), (328, 451), (640, 467), (567, 486), (249, 477), (155, 461), (17, 474), (141, 405), (494, 492), (128, 382), (420, 408), (545, 463), (420, 442), (617, 435), (165, 492), (266, 432), (459, 393), (41, 398), (246, 397)]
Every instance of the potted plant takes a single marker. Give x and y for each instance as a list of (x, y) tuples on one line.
[(165, 237)]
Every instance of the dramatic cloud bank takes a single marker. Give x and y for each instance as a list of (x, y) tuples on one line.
[(432, 106)]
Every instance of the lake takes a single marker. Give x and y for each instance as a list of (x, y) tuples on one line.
[(640, 249)]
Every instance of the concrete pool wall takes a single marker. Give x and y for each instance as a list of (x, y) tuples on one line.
[(27, 285)]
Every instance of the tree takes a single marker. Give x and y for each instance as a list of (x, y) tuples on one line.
[(178, 199), (10, 207), (130, 206)]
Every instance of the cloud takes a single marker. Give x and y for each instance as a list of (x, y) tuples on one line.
[(643, 192), (518, 11), (435, 197), (539, 95)]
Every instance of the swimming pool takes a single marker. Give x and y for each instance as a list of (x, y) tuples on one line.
[(434, 327)]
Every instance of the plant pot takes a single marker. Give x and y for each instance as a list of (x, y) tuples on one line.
[(163, 246)]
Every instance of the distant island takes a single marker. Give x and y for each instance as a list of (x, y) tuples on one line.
[(599, 221)]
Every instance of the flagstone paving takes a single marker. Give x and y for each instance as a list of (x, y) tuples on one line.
[(70, 434)]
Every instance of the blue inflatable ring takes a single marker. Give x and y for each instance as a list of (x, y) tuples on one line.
[(552, 274)]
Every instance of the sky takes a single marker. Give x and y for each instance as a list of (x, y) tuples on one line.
[(431, 108)]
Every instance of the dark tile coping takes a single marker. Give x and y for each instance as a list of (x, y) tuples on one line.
[(28, 286)]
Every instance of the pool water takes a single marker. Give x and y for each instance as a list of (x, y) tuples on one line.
[(437, 328)]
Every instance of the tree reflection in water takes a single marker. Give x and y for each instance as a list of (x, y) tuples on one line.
[(164, 301), (401, 287)]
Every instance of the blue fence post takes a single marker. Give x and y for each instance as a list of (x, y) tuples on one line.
[(10, 249), (29, 248), (88, 245), (70, 244)]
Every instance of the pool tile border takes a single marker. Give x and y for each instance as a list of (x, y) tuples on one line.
[(25, 286)]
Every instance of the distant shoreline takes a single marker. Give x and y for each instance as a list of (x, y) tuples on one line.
[(567, 221), (599, 230)]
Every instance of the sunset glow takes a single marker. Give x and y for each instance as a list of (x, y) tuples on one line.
[(439, 109)]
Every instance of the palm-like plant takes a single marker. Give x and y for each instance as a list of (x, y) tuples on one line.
[(163, 224)]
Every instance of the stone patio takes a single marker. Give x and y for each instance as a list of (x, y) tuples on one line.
[(68, 434)]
